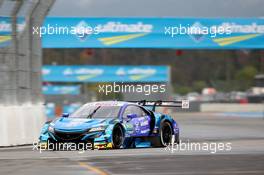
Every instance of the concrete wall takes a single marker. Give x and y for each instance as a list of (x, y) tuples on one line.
[(21, 116), (20, 124), (229, 107)]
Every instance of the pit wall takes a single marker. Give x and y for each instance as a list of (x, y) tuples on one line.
[(230, 107), (20, 125)]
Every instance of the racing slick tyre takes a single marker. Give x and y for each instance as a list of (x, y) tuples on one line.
[(117, 137), (165, 135)]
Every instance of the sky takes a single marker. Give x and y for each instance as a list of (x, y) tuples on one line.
[(158, 8)]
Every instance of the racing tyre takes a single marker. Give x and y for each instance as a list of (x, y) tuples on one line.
[(165, 135), (117, 137)]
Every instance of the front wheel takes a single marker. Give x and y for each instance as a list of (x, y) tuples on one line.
[(117, 137)]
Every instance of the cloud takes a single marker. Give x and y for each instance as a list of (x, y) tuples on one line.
[(158, 8), (83, 3)]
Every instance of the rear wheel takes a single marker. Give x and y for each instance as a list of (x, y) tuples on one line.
[(166, 134), (117, 137)]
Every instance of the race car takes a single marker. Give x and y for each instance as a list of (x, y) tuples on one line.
[(115, 124)]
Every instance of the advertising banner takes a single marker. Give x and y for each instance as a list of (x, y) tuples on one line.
[(183, 33), (6, 30), (61, 90), (176, 33), (105, 73)]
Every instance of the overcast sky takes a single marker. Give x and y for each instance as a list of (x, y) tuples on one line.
[(159, 8)]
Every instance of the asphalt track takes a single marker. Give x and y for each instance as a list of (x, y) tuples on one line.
[(246, 136)]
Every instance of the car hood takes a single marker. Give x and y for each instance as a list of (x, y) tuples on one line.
[(78, 124)]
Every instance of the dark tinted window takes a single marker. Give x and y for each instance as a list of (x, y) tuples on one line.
[(96, 112), (134, 110)]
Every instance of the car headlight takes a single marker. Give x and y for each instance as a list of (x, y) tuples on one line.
[(51, 129), (100, 128)]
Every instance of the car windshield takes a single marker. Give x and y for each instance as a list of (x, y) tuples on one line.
[(96, 111)]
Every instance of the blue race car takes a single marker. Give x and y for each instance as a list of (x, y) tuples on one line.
[(115, 124)]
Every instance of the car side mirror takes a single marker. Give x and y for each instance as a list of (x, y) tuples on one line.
[(65, 115), (131, 116)]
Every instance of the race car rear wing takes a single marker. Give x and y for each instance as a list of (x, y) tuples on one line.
[(184, 104)]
